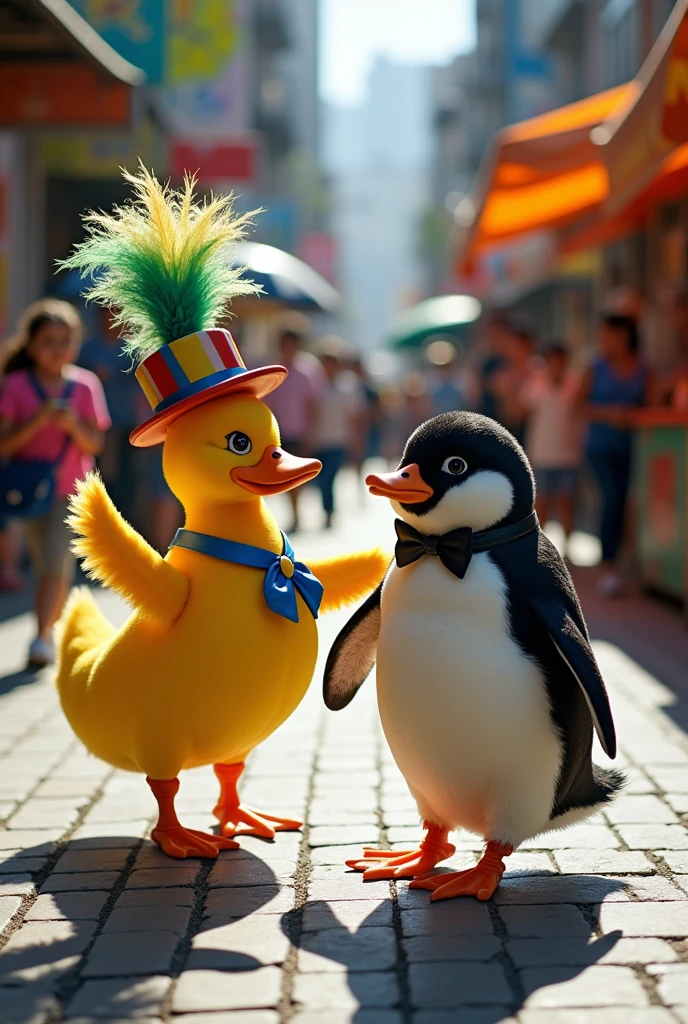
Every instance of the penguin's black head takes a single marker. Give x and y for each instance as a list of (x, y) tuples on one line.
[(459, 469)]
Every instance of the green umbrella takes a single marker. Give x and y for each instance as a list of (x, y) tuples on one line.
[(445, 314)]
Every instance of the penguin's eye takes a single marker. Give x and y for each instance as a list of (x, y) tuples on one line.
[(454, 465), (238, 443)]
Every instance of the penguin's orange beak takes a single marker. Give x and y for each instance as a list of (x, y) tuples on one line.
[(277, 471), (406, 485)]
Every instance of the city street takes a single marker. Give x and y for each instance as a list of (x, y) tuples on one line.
[(588, 926)]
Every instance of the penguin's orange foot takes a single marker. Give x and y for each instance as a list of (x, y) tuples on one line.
[(388, 864), (180, 842), (480, 881), (244, 821)]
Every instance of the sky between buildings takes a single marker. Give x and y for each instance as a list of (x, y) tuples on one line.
[(355, 32)]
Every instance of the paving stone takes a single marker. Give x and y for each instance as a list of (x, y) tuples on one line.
[(540, 922), (336, 855), (240, 945), (678, 802), (335, 835), (249, 872), (435, 948), (27, 1005), (172, 897), (233, 1017), (151, 878), (604, 862), (16, 885), (583, 837), (677, 860), (345, 885), (654, 837), (673, 778), (259, 899), (349, 914), (335, 949), (112, 859), (230, 990), (69, 906), (449, 986), (552, 987), (43, 950), (608, 1015), (132, 953), (665, 920), (148, 919), (672, 983), (78, 881), (9, 905), (572, 952), (57, 813), (453, 917), (98, 835), (32, 841), (522, 864), (127, 998), (327, 991), (629, 808), (560, 889), (14, 864)]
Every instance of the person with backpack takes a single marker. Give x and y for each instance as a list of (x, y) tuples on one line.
[(53, 416)]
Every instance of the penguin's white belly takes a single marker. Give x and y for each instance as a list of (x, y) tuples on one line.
[(464, 710)]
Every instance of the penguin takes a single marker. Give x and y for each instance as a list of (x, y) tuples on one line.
[(487, 686)]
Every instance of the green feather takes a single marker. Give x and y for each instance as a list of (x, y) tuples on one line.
[(162, 262)]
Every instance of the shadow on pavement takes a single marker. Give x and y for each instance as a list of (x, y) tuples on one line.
[(24, 677), (117, 910), (457, 959)]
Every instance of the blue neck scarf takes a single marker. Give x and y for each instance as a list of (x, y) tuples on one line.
[(283, 576)]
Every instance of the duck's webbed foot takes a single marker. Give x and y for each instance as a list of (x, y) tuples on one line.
[(236, 818), (480, 881), (382, 864), (170, 834)]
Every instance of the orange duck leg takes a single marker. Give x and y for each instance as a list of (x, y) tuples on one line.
[(480, 881), (382, 864), (237, 819), (170, 834)]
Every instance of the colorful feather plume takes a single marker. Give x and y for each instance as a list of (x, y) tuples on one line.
[(162, 262)]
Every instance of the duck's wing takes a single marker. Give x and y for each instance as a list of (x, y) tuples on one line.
[(353, 654), (119, 558), (349, 578)]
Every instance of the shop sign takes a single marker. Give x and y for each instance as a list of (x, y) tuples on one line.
[(60, 94), (235, 162)]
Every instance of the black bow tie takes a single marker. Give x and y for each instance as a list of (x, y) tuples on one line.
[(456, 548)]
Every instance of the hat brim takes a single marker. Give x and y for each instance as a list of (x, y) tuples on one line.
[(259, 382)]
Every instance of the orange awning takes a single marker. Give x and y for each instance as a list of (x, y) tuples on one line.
[(652, 122), (540, 173)]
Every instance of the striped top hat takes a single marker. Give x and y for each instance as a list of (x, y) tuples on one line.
[(192, 370), (162, 264)]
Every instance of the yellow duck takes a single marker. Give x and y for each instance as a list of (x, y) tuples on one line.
[(222, 642)]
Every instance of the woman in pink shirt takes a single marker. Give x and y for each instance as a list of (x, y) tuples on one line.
[(50, 410)]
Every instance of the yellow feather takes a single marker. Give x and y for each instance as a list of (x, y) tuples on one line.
[(349, 578), (119, 558)]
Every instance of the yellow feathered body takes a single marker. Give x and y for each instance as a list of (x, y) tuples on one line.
[(202, 671)]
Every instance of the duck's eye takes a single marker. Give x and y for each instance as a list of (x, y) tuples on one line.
[(454, 465), (238, 443)]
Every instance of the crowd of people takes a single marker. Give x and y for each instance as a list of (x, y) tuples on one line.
[(70, 406)]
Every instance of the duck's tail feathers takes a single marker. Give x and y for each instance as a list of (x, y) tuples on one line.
[(80, 634), (349, 578)]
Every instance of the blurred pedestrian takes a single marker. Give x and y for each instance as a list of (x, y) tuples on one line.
[(371, 439), (295, 403), (553, 435), (338, 422), (417, 401), (495, 341), (54, 412), (11, 578), (446, 395), (509, 379), (617, 382)]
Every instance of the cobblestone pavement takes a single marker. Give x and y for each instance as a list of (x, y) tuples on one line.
[(588, 927)]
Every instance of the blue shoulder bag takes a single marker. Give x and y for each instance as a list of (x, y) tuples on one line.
[(27, 486)]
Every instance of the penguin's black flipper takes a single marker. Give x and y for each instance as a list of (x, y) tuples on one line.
[(574, 647), (353, 654)]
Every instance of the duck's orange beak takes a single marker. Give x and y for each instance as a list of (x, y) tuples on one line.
[(277, 471), (406, 485)]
